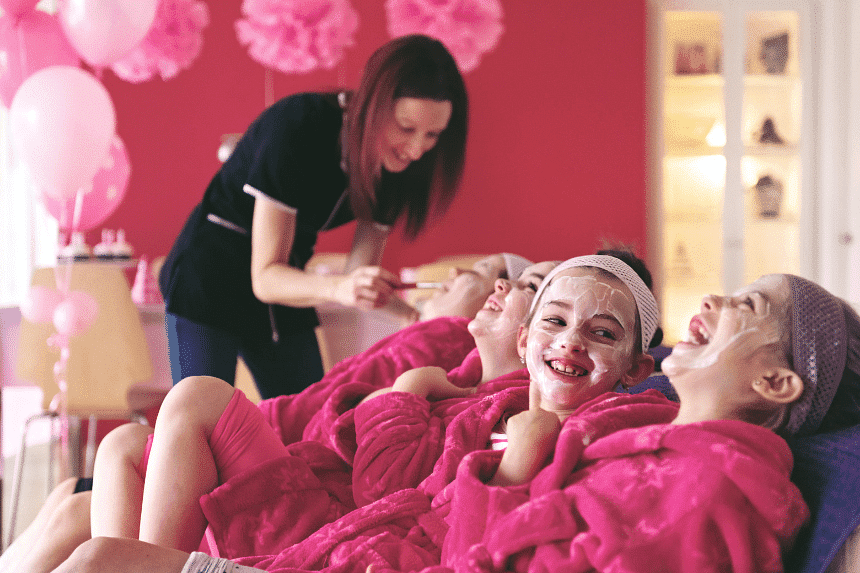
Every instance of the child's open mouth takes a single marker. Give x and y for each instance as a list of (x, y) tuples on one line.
[(697, 333), (566, 369)]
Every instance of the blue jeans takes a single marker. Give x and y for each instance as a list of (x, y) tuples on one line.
[(279, 368)]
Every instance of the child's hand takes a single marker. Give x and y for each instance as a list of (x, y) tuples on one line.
[(531, 439), (429, 382)]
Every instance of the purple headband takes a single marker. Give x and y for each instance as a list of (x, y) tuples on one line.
[(819, 350)]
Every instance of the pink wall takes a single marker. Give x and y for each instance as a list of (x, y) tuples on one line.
[(556, 156)]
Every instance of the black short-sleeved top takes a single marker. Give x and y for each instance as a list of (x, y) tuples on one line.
[(292, 154)]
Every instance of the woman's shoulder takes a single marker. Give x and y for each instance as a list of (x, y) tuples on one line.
[(304, 117), (306, 104)]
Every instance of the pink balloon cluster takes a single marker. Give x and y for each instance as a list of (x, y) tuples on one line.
[(171, 45), (297, 36), (71, 314), (468, 28)]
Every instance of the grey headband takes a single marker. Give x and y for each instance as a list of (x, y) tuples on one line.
[(515, 265), (819, 349), (646, 305)]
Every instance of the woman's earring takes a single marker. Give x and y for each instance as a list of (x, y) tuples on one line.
[(523, 359)]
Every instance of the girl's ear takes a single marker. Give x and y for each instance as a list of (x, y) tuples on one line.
[(779, 385), (641, 368), (522, 340)]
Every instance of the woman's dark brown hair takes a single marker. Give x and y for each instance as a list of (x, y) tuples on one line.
[(410, 66)]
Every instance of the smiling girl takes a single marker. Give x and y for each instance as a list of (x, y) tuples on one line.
[(593, 337)]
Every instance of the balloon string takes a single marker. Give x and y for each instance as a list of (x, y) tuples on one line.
[(60, 405), (63, 276), (79, 207)]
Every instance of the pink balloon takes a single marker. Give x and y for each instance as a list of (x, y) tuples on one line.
[(40, 303), (62, 122), (103, 31), (29, 43), (18, 7), (102, 198), (76, 313)]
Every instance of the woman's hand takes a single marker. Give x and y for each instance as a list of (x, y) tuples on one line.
[(366, 288), (429, 382), (531, 439)]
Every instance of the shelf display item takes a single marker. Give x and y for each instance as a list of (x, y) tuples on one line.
[(768, 134), (768, 197), (774, 53), (691, 59), (681, 267)]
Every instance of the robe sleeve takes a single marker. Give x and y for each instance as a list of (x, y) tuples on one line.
[(398, 443)]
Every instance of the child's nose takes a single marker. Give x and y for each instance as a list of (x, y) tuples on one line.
[(711, 302), (571, 340), (503, 286)]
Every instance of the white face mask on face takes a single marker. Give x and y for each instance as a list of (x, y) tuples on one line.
[(507, 308), (730, 327), (581, 339)]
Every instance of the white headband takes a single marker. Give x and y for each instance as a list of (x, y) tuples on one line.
[(646, 305), (515, 265)]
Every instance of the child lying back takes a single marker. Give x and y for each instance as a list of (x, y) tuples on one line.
[(706, 490)]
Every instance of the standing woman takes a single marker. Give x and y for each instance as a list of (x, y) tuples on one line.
[(234, 283)]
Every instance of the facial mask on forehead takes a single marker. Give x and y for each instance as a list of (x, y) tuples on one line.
[(590, 297), (646, 305)]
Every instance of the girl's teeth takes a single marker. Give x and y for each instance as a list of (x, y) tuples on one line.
[(567, 369)]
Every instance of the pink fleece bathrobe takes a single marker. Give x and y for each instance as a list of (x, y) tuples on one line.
[(400, 436), (711, 496), (443, 342), (277, 503)]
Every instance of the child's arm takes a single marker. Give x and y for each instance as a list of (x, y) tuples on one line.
[(429, 382), (531, 438)]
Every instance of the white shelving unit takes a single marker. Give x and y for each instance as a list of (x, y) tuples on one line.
[(750, 171)]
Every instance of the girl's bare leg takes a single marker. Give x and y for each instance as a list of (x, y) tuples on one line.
[(107, 555), (25, 543), (118, 482), (181, 466), (67, 527)]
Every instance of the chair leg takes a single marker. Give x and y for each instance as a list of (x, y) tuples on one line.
[(19, 472)]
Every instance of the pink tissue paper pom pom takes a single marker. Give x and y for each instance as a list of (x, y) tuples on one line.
[(468, 28), (170, 46), (297, 36)]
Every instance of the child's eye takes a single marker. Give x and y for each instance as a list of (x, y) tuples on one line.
[(748, 301), (533, 286), (554, 320), (605, 333)]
